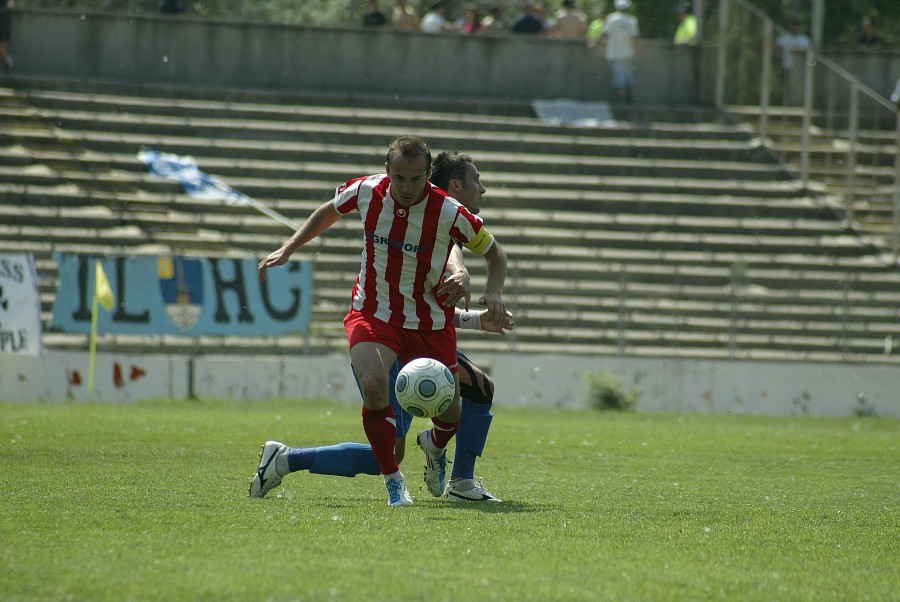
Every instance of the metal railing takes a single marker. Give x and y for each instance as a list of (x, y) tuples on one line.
[(838, 135)]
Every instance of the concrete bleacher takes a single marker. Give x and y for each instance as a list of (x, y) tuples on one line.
[(829, 141), (668, 233)]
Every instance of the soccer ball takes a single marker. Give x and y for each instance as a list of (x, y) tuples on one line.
[(425, 387)]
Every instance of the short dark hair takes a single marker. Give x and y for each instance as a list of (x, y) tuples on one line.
[(449, 166), (408, 147)]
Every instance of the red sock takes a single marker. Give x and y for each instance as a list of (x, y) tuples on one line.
[(382, 436), (442, 432)]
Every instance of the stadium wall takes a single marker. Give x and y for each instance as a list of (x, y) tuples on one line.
[(182, 50), (663, 385)]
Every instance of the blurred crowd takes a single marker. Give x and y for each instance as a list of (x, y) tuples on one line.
[(534, 18)]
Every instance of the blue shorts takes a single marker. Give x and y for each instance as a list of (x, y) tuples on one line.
[(622, 73)]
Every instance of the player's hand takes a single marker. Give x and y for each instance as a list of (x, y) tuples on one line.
[(489, 322), (454, 288), (493, 301), (279, 257)]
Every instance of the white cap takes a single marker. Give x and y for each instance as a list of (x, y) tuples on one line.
[(623, 4)]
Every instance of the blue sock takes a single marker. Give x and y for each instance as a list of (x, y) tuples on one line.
[(471, 437), (341, 460)]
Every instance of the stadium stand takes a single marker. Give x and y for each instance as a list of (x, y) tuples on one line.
[(872, 189), (668, 233)]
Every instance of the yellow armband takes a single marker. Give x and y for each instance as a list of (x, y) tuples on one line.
[(481, 243)]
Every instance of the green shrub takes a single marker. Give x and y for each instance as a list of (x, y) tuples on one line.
[(605, 392)]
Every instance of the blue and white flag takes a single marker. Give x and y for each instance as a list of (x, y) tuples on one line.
[(185, 171), (196, 183)]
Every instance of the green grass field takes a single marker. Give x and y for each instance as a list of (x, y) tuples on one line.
[(149, 502)]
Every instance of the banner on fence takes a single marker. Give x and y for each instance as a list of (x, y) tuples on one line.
[(20, 305), (193, 296)]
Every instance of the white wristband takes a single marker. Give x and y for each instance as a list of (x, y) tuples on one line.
[(470, 319)]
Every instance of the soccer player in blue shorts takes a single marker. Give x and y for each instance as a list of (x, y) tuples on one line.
[(456, 173)]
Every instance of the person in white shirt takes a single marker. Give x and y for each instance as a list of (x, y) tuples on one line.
[(789, 44), (434, 20), (620, 30)]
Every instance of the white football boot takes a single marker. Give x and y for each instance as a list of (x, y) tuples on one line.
[(266, 478), (398, 494), (435, 464), (470, 490)]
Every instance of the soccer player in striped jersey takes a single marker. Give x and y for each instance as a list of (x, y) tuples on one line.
[(457, 174), (410, 227)]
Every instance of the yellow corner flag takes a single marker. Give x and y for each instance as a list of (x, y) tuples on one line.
[(103, 290), (103, 295)]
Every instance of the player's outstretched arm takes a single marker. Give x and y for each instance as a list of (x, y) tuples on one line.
[(492, 323), (321, 219), (482, 319), (493, 289), (455, 287)]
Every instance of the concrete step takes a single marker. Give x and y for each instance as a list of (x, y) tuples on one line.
[(262, 139), (775, 199), (524, 169), (638, 116), (322, 110)]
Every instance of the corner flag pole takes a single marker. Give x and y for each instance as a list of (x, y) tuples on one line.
[(103, 294), (92, 362)]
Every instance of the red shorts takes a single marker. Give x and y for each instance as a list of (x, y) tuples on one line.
[(407, 344)]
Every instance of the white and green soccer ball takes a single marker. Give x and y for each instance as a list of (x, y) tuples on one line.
[(425, 387)]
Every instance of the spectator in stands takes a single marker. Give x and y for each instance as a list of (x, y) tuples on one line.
[(373, 16), (570, 23), (528, 22), (394, 310), (544, 15), (493, 20), (435, 20), (471, 20), (895, 95), (403, 17), (595, 29), (6, 61), (789, 44), (868, 38), (686, 33), (620, 30), (171, 7)]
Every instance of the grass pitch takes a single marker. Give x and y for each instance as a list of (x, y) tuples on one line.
[(149, 502)]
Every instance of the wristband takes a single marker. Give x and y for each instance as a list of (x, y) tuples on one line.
[(470, 319)]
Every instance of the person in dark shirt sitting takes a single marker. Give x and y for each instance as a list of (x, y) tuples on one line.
[(373, 16), (528, 22), (868, 38)]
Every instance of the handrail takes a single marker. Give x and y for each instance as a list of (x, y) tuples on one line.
[(884, 102), (853, 113)]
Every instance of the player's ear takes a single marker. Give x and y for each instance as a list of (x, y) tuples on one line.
[(428, 173), (387, 168)]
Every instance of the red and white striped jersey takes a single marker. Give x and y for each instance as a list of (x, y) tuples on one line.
[(405, 250)]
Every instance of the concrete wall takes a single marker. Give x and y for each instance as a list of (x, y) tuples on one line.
[(877, 70), (185, 50), (664, 385)]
